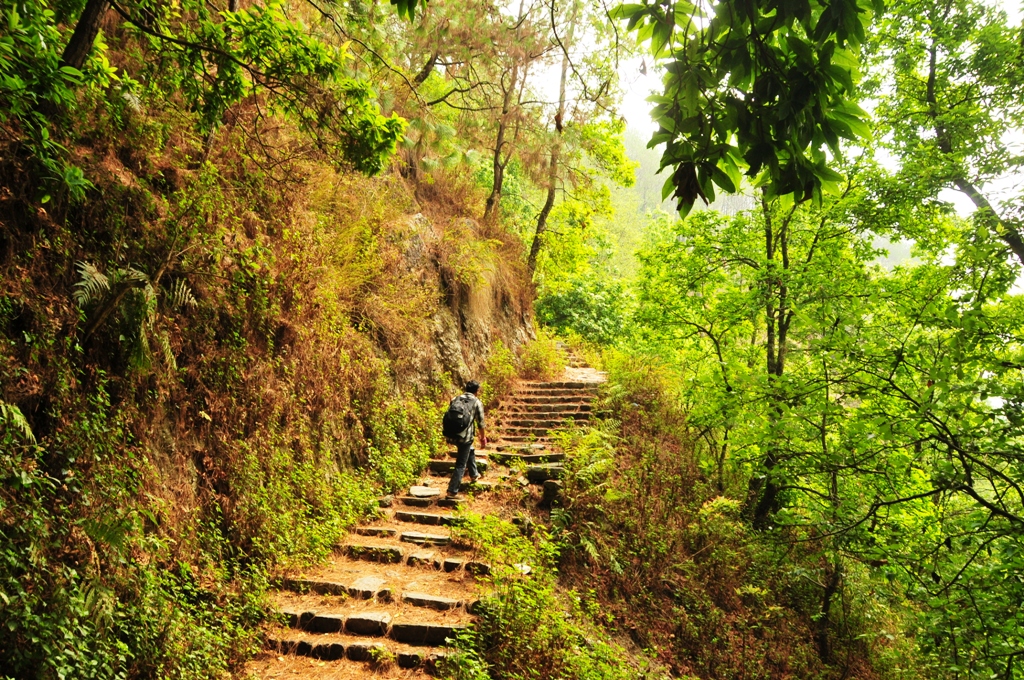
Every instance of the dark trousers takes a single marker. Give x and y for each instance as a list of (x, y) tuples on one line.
[(466, 456)]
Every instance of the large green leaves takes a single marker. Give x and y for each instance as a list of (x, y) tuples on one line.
[(758, 86)]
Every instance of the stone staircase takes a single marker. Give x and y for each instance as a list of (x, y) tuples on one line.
[(401, 585)]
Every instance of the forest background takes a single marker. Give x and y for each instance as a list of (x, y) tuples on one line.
[(228, 231)]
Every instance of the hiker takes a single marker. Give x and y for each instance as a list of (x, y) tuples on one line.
[(459, 428)]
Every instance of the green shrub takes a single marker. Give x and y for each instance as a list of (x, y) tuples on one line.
[(541, 359), (595, 308), (499, 377), (528, 626)]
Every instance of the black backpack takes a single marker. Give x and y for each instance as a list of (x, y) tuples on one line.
[(458, 417)]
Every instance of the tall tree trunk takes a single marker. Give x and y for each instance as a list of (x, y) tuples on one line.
[(498, 162), (84, 36), (765, 490), (833, 579), (556, 146)]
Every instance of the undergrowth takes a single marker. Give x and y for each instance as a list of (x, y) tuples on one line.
[(208, 372), (528, 626), (675, 566)]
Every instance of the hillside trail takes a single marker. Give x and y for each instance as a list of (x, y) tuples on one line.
[(400, 585)]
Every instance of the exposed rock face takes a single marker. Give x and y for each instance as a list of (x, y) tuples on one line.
[(479, 301)]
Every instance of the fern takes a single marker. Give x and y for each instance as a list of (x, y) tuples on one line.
[(165, 346), (12, 416), (92, 284), (181, 295)]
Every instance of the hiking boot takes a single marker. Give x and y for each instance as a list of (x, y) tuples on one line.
[(451, 496)]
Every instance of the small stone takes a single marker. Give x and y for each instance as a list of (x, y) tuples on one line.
[(478, 568), (366, 588), (523, 569), (420, 558), (386, 501), (452, 564), (410, 659)]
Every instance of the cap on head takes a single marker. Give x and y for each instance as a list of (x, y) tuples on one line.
[(472, 386)]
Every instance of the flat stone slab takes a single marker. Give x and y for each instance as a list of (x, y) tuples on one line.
[(414, 502), (424, 492), (376, 553), (420, 538), (538, 474), (297, 619), (423, 633), (428, 518), (452, 503), (368, 623), (326, 623), (529, 458), (430, 601), (319, 586), (364, 651), (521, 447), (383, 532), (366, 588)]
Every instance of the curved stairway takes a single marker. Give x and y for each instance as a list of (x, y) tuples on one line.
[(400, 585)]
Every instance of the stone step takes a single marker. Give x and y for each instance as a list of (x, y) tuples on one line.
[(579, 395), (421, 538), (446, 467), (335, 647), (441, 604), (364, 588), (581, 409), (523, 440), (528, 458), (538, 474), (531, 423), (519, 448), (413, 502), (410, 556), (429, 518), (376, 553), (380, 532), (558, 384), (554, 400), (375, 625), (526, 431)]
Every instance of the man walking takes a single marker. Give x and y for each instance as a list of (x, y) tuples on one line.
[(464, 414)]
